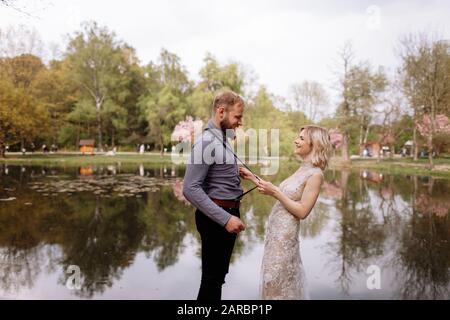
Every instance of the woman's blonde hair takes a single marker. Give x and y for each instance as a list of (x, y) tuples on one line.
[(320, 143)]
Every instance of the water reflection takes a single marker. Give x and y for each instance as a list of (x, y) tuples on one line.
[(359, 235), (396, 223), (101, 218)]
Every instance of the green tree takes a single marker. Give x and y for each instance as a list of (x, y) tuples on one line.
[(172, 73), (163, 112), (261, 113), (135, 124), (163, 104), (80, 123), (213, 78), (98, 66), (361, 90)]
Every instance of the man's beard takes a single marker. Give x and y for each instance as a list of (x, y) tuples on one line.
[(226, 125)]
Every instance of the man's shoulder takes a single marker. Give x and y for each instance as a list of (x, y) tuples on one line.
[(207, 135), (204, 139)]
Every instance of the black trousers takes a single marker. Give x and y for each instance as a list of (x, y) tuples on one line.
[(217, 247)]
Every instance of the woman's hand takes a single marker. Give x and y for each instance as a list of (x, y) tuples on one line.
[(267, 188)]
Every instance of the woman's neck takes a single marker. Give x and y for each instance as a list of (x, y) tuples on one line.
[(307, 158), (307, 164)]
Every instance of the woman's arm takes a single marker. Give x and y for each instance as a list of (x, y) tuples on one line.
[(299, 209)]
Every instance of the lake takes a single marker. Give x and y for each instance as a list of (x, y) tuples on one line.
[(126, 232)]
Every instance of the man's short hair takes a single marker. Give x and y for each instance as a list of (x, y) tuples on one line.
[(227, 99)]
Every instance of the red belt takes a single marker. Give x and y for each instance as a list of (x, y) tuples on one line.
[(227, 203)]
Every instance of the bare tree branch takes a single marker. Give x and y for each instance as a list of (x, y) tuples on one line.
[(14, 4)]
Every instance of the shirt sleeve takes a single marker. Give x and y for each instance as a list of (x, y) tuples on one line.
[(196, 172)]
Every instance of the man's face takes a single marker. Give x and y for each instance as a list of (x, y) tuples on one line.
[(233, 118)]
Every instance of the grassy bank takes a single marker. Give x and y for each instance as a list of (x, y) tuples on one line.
[(83, 160), (396, 166)]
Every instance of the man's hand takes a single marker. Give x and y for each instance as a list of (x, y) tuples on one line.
[(235, 225), (247, 175)]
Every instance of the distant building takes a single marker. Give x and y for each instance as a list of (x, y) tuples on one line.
[(87, 146), (381, 147), (407, 149), (86, 171), (370, 149)]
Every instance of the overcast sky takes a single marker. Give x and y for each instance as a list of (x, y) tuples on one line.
[(283, 41)]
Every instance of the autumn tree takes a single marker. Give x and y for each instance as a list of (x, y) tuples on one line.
[(24, 116), (19, 68), (58, 94), (9, 115)]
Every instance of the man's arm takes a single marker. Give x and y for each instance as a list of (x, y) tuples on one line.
[(193, 191)]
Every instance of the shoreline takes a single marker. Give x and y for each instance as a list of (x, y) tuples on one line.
[(395, 165)]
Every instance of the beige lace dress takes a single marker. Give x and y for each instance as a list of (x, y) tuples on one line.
[(282, 273)]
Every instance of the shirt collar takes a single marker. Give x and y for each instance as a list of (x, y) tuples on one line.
[(220, 132), (215, 129), (211, 125)]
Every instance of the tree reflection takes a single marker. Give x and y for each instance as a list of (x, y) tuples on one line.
[(100, 235), (103, 241), (23, 234), (423, 253), (416, 225), (401, 221), (359, 236), (316, 221), (166, 222)]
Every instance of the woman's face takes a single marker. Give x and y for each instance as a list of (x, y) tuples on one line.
[(302, 144)]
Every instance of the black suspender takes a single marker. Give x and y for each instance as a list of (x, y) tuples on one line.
[(237, 158)]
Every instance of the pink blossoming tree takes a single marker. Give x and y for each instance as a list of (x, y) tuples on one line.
[(187, 130), (429, 129)]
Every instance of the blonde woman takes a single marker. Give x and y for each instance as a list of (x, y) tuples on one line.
[(282, 274)]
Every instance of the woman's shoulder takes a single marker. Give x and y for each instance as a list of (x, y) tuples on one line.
[(318, 171), (315, 171), (308, 175), (316, 174)]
